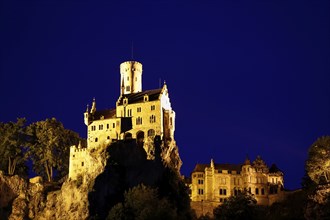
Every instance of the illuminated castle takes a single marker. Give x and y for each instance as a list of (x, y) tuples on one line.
[(212, 184), (138, 115)]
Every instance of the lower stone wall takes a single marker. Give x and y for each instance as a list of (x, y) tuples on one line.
[(204, 207)]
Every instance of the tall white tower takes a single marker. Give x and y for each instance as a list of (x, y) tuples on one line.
[(130, 77)]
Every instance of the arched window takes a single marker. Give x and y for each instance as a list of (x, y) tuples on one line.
[(96, 139), (128, 136), (151, 133)]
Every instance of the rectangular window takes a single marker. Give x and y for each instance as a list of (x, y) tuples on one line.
[(113, 125), (129, 112), (257, 191), (139, 121), (108, 126), (200, 191), (128, 88), (100, 127), (82, 164), (152, 119), (200, 181), (138, 109), (153, 107), (262, 191)]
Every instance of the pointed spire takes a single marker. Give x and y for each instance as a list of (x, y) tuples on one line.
[(247, 160), (212, 163), (87, 109), (93, 109)]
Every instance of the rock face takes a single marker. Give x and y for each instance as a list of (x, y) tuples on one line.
[(116, 168)]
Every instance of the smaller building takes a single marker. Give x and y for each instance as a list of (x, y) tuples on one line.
[(212, 184)]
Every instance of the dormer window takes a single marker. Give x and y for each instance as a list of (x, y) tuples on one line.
[(125, 101), (146, 98)]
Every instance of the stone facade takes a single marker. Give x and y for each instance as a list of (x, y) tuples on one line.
[(138, 114), (211, 184)]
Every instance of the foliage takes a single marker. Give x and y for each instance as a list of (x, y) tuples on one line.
[(142, 203), (241, 206), (12, 152), (318, 162), (50, 147)]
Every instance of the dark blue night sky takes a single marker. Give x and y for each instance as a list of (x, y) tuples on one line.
[(245, 77)]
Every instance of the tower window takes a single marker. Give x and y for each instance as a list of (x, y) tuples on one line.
[(113, 125), (127, 78), (153, 107), (200, 191), (108, 137), (100, 127), (108, 126), (128, 88), (138, 109), (257, 191), (82, 164), (96, 139)]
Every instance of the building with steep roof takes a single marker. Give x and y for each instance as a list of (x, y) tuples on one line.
[(138, 114), (212, 184)]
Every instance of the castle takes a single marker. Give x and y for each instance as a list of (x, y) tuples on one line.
[(212, 184), (138, 114)]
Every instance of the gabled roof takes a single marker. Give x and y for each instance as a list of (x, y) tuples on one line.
[(106, 114), (229, 167), (139, 96)]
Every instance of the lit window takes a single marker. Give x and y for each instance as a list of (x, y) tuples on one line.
[(152, 119), (129, 112), (139, 121)]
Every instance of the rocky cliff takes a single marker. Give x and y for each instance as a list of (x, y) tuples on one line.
[(116, 168)]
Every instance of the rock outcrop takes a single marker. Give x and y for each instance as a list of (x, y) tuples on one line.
[(115, 169)]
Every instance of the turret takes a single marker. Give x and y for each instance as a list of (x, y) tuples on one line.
[(86, 116), (130, 77)]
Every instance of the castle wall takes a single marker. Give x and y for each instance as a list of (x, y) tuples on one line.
[(101, 132)]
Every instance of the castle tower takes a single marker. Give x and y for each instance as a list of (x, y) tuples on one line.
[(130, 77)]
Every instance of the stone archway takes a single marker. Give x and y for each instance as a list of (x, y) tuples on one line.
[(128, 136), (140, 138)]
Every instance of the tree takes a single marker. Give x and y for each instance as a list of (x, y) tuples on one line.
[(12, 142), (241, 206), (50, 147), (142, 203), (318, 162)]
